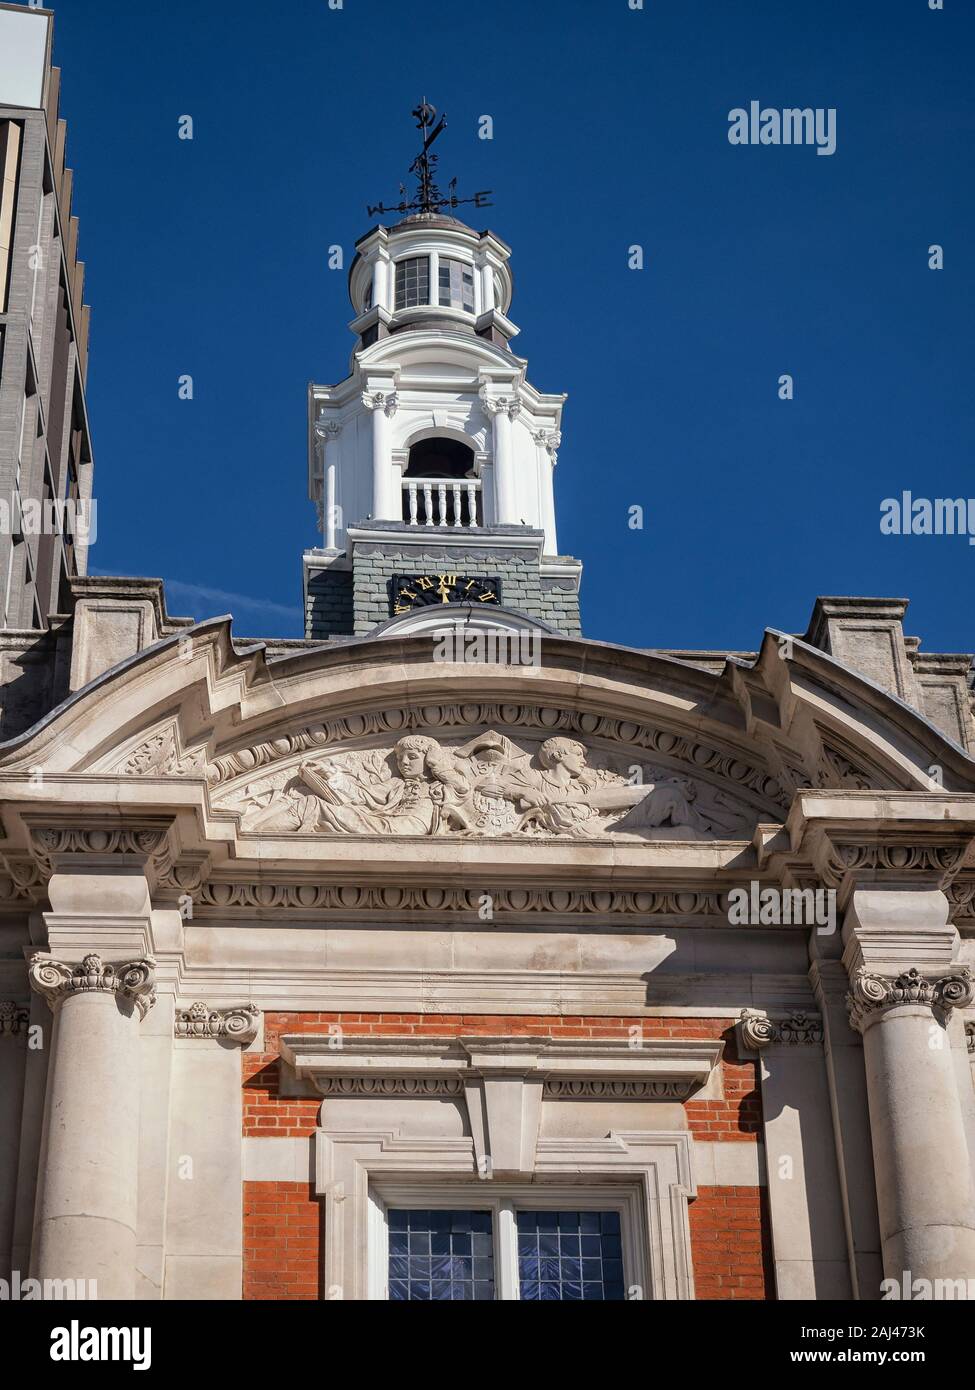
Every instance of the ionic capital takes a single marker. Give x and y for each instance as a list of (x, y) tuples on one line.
[(135, 980), (872, 994), (238, 1024), (387, 401), (501, 405), (327, 431), (550, 440), (757, 1031)]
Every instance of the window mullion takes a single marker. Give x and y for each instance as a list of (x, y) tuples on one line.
[(506, 1251)]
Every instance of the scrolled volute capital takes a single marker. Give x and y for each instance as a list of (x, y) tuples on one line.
[(386, 401), (872, 993), (757, 1031), (501, 405), (238, 1024), (55, 981)]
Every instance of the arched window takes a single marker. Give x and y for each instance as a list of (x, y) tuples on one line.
[(440, 485), (440, 458)]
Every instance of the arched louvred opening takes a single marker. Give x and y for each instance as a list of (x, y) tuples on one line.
[(440, 485)]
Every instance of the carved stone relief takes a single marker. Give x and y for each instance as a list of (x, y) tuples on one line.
[(489, 786)]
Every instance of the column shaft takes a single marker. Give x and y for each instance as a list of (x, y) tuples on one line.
[(504, 478), (921, 1160), (85, 1221)]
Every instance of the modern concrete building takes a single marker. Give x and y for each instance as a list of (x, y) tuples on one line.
[(462, 957), (45, 445)]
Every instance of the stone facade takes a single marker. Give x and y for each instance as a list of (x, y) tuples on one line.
[(486, 964), (633, 974)]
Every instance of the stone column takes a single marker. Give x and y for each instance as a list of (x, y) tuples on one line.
[(327, 432), (851, 1127), (923, 1168), (85, 1223), (808, 1236), (386, 501), (503, 409), (548, 442), (204, 1219)]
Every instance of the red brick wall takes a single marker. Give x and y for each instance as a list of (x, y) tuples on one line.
[(731, 1243), (282, 1240), (282, 1221)]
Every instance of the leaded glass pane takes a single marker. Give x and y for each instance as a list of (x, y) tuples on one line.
[(440, 1256), (569, 1256), (456, 285), (412, 282)]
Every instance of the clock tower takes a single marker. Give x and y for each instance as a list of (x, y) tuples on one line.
[(431, 465)]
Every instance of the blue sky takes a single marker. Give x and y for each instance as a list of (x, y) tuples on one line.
[(610, 129)]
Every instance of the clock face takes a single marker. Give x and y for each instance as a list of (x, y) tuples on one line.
[(409, 591)]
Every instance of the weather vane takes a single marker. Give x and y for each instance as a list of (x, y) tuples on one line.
[(428, 196)]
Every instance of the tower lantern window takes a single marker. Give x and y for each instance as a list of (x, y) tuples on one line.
[(412, 282), (456, 285)]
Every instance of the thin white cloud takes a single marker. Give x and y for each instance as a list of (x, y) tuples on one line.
[(220, 601)]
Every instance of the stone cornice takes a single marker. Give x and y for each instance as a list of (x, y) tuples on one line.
[(895, 839), (150, 845), (592, 901), (872, 994), (56, 981), (653, 1069), (238, 1024)]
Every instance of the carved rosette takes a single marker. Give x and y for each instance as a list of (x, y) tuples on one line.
[(756, 1030), (237, 1024), (872, 994), (135, 980), (14, 1018)]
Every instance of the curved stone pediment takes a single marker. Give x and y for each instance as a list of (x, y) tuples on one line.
[(372, 741)]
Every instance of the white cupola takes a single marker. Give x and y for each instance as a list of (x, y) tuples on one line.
[(436, 433)]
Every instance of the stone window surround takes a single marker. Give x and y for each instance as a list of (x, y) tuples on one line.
[(504, 1201), (504, 1083)]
